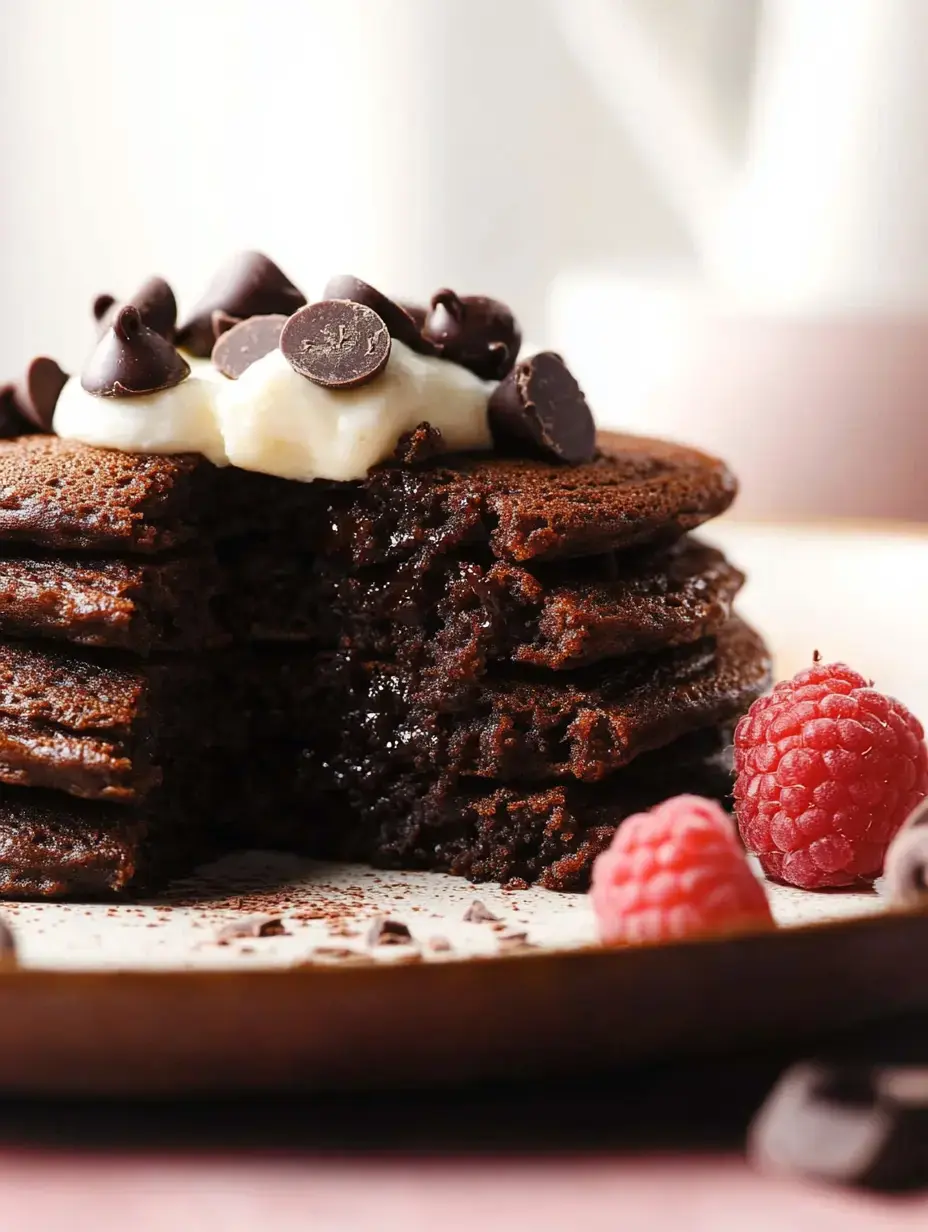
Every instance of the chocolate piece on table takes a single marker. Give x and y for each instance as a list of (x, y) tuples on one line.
[(29, 405), (239, 347), (249, 285), (847, 1124), (398, 319), (540, 405), (474, 331), (336, 343), (155, 302), (388, 932), (479, 913), (132, 359)]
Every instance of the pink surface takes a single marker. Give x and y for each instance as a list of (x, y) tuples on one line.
[(45, 1190)]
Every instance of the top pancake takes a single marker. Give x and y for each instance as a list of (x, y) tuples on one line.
[(63, 495)]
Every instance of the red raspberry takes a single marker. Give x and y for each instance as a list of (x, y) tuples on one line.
[(827, 771), (675, 871)]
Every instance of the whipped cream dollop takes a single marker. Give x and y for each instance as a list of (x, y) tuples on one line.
[(276, 421)]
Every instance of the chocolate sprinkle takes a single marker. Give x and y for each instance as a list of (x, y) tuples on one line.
[(388, 932), (29, 405), (541, 406), (239, 347), (479, 913), (397, 318), (474, 331), (155, 302), (336, 343), (249, 285), (131, 359)]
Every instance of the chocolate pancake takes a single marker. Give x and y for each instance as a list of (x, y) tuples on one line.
[(535, 727), (454, 623)]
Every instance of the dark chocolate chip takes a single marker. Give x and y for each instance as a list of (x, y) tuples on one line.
[(251, 926), (540, 406), (155, 302), (844, 1124), (239, 347), (101, 306), (388, 932), (336, 343), (29, 404), (397, 318), (474, 331), (132, 359), (250, 285), (7, 943), (905, 870), (479, 913)]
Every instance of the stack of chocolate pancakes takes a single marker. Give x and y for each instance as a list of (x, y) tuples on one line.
[(473, 662)]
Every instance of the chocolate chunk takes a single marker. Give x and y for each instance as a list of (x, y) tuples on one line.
[(474, 331), (479, 913), (132, 359), (388, 932), (251, 926), (397, 318), (29, 405), (155, 302), (239, 347), (851, 1125), (905, 871), (250, 285), (541, 406), (336, 343), (7, 943)]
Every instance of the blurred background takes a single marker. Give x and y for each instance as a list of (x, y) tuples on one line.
[(717, 209)]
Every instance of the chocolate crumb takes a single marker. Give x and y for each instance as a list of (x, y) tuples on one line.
[(441, 945), (253, 926), (384, 931), (419, 445), (479, 913)]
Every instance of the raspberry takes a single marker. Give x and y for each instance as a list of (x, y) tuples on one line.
[(675, 871), (827, 771)]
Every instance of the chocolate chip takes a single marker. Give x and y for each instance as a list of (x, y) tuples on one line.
[(397, 318), (388, 932), (479, 913), (250, 285), (905, 870), (474, 331), (541, 406), (239, 347), (132, 359), (336, 343), (251, 926), (155, 302), (29, 404), (843, 1124)]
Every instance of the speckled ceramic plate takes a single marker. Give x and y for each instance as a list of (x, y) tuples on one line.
[(259, 973)]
